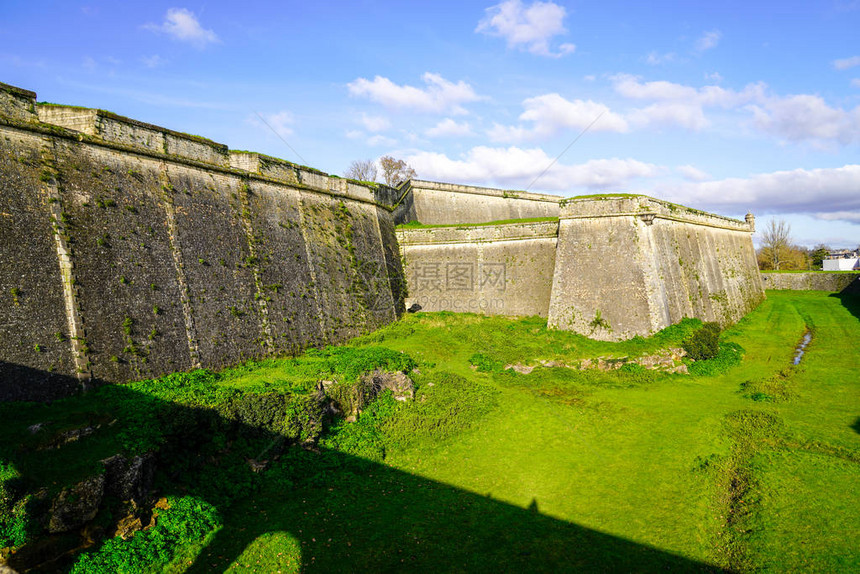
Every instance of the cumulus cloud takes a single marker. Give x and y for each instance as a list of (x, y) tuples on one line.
[(375, 123), (691, 173), (181, 24), (846, 63), (826, 193), (550, 114), (708, 40), (530, 27), (517, 167), (678, 104), (807, 117), (380, 140), (449, 128), (794, 118), (438, 96)]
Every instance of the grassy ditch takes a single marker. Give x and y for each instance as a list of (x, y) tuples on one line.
[(519, 449)]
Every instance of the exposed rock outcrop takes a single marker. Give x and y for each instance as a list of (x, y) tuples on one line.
[(76, 505)]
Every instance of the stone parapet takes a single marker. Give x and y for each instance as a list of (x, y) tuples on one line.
[(438, 203), (647, 209), (478, 233), (17, 103), (126, 131)]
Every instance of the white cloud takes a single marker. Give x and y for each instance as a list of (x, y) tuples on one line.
[(380, 140), (795, 118), (656, 59), (375, 123), (827, 193), (449, 128), (153, 61), (856, 82), (281, 122), (438, 96), (714, 77), (677, 104), (807, 117), (708, 40), (529, 27), (89, 64), (691, 173), (550, 114), (515, 167), (849, 216), (686, 115), (183, 25), (846, 63)]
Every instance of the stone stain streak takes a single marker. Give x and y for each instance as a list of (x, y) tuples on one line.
[(175, 252)]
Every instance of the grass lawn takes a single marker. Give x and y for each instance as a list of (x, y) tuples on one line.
[(755, 466)]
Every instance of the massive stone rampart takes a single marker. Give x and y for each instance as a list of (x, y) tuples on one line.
[(612, 267), (495, 269), (632, 265), (838, 282), (129, 251), (435, 203)]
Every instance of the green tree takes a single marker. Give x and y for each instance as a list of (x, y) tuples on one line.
[(819, 254)]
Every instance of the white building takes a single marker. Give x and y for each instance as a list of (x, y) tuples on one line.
[(842, 264)]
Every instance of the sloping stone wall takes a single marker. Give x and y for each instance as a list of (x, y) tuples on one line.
[(612, 267), (130, 251), (495, 269), (632, 265)]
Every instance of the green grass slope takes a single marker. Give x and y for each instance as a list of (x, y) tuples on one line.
[(741, 465)]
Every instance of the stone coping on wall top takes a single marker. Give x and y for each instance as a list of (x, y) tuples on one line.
[(645, 207), (99, 114), (478, 233), (303, 177), (66, 133), (18, 91), (425, 185), (290, 172)]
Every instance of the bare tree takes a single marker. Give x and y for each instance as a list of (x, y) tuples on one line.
[(362, 170), (395, 170), (776, 239)]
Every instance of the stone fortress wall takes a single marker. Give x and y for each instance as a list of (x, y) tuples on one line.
[(435, 203), (502, 269), (840, 281), (611, 267), (130, 251)]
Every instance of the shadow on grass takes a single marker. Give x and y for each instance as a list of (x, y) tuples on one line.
[(850, 299), (344, 513)]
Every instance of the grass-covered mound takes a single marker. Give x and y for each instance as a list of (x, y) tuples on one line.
[(520, 449)]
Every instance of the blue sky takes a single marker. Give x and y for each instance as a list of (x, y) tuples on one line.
[(726, 106)]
